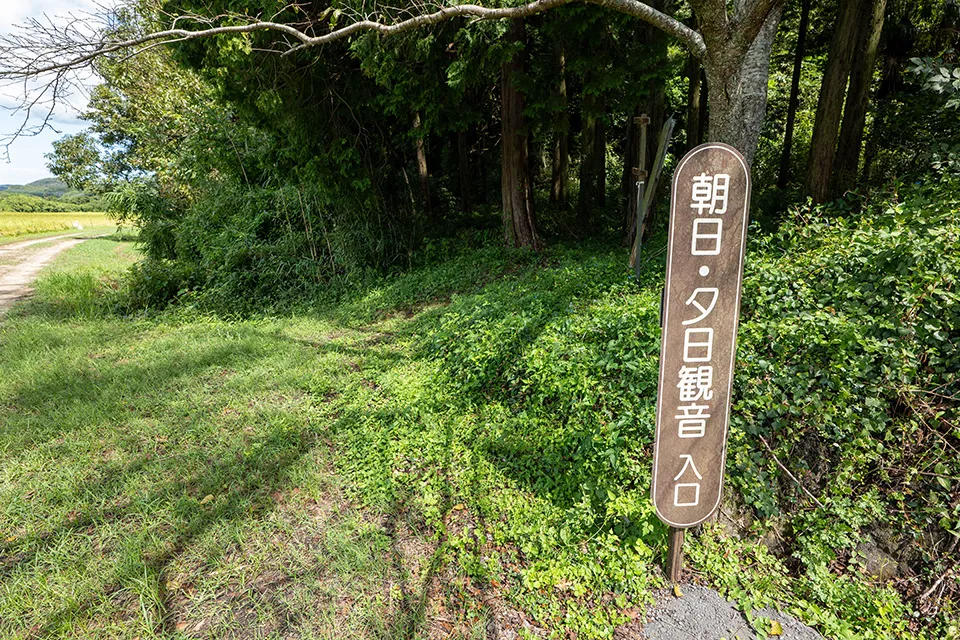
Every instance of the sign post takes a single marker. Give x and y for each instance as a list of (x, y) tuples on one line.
[(710, 201)]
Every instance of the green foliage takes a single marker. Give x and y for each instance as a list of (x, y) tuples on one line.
[(501, 404), (23, 203), (537, 412), (939, 77)]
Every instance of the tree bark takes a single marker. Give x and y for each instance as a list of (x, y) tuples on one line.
[(794, 103), (693, 72), (560, 182), (704, 108), (422, 167), (519, 225), (830, 103), (858, 97), (738, 82), (593, 167)]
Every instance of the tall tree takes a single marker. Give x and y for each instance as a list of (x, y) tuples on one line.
[(793, 105), (734, 43), (858, 96), (423, 170), (560, 178), (830, 104), (519, 223), (593, 167)]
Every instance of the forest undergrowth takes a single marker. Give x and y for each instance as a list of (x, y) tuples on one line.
[(484, 424)]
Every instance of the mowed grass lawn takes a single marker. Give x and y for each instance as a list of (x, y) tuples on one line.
[(14, 224), (172, 476)]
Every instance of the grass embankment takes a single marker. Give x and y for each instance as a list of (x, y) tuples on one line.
[(473, 439), (21, 224)]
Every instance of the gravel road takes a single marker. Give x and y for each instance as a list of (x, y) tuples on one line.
[(701, 614)]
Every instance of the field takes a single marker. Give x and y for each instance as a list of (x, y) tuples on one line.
[(14, 224)]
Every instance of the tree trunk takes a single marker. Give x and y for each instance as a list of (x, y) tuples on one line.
[(704, 108), (631, 159), (519, 225), (738, 88), (693, 101), (560, 182), (830, 104), (794, 103), (858, 97), (422, 168), (593, 172), (463, 161)]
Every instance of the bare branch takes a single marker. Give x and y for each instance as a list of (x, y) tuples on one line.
[(28, 58), (631, 7), (47, 53)]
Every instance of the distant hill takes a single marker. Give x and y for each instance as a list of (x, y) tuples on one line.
[(48, 194), (43, 188)]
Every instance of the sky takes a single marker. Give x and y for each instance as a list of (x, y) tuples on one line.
[(26, 153)]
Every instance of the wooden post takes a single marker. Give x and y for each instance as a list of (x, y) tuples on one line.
[(650, 189), (675, 555), (641, 174)]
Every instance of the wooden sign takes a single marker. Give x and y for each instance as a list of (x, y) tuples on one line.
[(701, 307)]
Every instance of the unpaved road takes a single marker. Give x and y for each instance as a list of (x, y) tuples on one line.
[(20, 262)]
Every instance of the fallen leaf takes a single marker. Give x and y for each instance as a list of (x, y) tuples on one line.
[(207, 498), (676, 591), (776, 629)]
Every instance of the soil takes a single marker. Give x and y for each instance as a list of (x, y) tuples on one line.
[(20, 262)]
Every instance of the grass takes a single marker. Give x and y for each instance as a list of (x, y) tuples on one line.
[(173, 477), (464, 445), (13, 224)]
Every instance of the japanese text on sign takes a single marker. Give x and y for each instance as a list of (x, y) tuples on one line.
[(702, 299)]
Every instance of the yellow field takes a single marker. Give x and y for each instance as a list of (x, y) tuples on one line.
[(18, 224)]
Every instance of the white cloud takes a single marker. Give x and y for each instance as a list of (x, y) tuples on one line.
[(15, 11), (26, 154)]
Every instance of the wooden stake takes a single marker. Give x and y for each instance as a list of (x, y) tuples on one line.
[(650, 189), (641, 174), (674, 555)]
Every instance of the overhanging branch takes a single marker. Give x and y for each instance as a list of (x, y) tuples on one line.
[(31, 52), (46, 53)]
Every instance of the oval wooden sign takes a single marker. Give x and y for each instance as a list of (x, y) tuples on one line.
[(708, 231)]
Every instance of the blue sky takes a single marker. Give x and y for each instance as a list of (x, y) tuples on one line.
[(26, 154)]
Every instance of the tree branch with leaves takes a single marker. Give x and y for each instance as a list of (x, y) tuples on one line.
[(46, 54)]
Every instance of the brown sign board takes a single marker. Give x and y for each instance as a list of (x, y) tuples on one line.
[(710, 201)]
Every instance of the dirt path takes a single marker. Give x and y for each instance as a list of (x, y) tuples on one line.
[(14, 248), (19, 265)]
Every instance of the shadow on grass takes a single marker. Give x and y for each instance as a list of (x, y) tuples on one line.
[(154, 494)]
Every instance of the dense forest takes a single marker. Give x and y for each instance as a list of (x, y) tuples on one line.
[(255, 175), (455, 205)]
